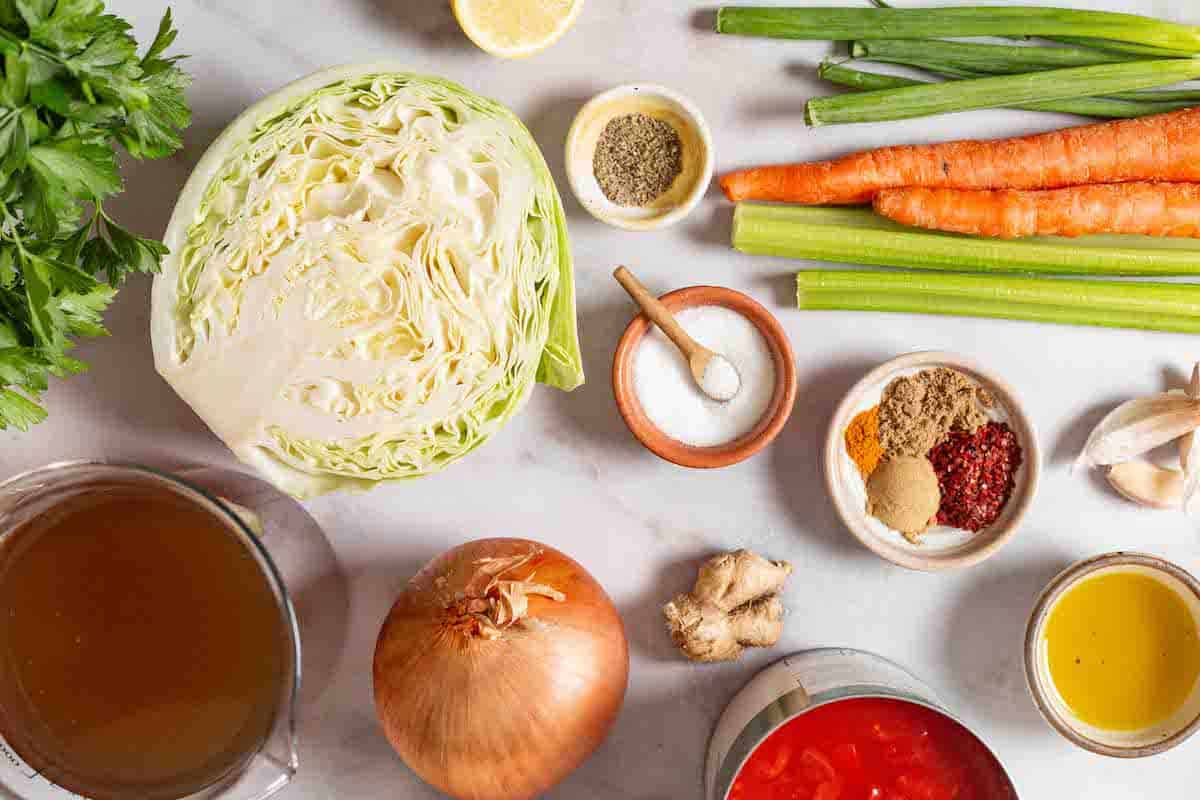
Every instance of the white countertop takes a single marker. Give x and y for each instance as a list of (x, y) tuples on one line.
[(567, 472)]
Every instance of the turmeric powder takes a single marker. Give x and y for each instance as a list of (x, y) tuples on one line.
[(862, 441)]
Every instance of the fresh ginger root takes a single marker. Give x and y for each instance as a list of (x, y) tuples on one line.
[(733, 605)]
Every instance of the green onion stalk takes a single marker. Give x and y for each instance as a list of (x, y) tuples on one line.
[(848, 24), (998, 91), (994, 59), (1107, 107)]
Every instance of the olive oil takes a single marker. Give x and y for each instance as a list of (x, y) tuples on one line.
[(1123, 650), (142, 648)]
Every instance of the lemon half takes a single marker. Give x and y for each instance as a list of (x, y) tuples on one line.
[(515, 28)]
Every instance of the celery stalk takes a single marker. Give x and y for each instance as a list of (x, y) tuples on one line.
[(1108, 107), (1150, 306), (998, 91), (858, 236), (845, 24)]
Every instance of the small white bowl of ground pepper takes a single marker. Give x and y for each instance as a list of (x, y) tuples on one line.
[(932, 462), (639, 157)]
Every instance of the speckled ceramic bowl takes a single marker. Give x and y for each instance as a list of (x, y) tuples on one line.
[(1118, 744), (940, 548), (741, 448), (659, 102)]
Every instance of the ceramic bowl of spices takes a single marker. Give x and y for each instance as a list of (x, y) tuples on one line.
[(932, 462), (664, 408), (639, 157)]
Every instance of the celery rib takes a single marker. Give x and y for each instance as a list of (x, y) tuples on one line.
[(858, 236), (1147, 306)]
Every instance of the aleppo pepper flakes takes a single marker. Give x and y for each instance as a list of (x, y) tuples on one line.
[(977, 474)]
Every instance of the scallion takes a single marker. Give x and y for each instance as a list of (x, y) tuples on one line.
[(1106, 107), (996, 59), (998, 91), (847, 24)]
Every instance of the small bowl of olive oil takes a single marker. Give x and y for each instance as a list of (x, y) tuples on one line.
[(1112, 654)]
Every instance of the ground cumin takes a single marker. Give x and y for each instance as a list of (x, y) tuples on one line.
[(862, 441), (917, 411)]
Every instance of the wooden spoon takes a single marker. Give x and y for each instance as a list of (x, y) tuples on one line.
[(716, 376)]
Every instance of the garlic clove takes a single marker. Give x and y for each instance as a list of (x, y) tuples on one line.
[(1147, 484), (1138, 426)]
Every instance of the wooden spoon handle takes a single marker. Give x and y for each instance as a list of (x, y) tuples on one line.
[(657, 312)]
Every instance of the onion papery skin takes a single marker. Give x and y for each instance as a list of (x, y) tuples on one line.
[(502, 718)]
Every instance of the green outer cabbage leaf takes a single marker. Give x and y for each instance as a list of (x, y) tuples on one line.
[(332, 356)]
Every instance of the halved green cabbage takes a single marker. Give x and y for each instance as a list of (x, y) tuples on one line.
[(368, 272)]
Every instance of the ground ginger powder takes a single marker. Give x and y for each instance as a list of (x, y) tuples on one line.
[(862, 441), (917, 411)]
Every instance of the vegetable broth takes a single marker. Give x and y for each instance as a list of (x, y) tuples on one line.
[(871, 748), (1122, 650), (142, 648)]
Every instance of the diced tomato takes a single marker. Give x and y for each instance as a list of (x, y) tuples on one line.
[(913, 753), (815, 766), (845, 757), (923, 787), (830, 790), (773, 766)]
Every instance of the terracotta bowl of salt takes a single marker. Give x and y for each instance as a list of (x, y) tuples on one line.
[(777, 409)]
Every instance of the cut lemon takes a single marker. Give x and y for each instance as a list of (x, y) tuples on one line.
[(515, 28)]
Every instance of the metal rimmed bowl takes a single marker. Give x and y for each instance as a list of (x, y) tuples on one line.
[(939, 548), (1117, 744), (799, 683)]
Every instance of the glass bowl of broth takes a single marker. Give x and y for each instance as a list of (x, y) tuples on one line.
[(148, 647)]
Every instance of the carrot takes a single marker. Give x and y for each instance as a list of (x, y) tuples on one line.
[(1151, 209), (1161, 147)]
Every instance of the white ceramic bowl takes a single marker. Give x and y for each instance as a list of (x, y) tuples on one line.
[(656, 101), (940, 547)]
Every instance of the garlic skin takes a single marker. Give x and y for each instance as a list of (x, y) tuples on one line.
[(1137, 427)]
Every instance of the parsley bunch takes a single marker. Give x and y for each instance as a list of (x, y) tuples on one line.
[(72, 86)]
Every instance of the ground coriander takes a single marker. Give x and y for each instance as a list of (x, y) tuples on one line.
[(917, 411), (637, 159)]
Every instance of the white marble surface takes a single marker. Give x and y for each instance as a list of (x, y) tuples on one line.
[(566, 471)]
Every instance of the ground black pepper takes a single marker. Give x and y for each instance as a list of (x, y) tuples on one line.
[(977, 474), (637, 159)]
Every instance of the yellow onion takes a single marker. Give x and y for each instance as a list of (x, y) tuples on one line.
[(500, 669)]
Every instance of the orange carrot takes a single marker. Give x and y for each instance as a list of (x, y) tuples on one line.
[(1152, 209), (1161, 147)]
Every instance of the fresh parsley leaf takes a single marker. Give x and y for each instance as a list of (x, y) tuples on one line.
[(18, 412), (38, 295), (72, 87), (84, 311), (135, 254), (88, 171)]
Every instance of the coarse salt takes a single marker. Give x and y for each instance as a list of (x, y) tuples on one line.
[(720, 380), (678, 407)]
